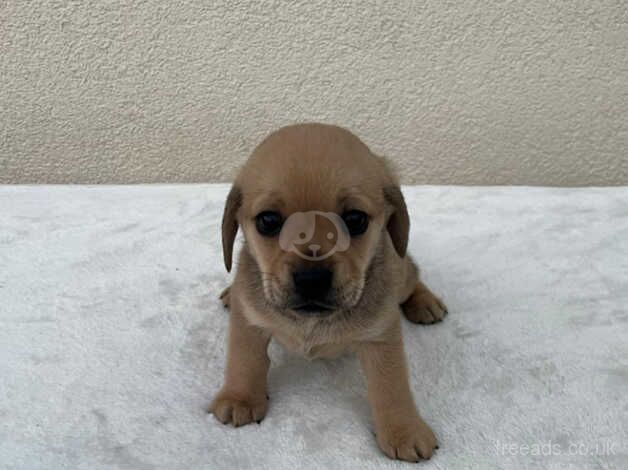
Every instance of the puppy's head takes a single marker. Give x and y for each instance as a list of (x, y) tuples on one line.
[(314, 205)]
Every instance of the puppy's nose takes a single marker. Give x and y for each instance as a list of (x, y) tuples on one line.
[(313, 283)]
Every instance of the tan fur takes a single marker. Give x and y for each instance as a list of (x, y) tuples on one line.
[(325, 168)]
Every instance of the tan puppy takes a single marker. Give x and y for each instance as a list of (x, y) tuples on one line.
[(323, 270)]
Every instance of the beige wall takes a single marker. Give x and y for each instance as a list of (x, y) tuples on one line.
[(468, 92)]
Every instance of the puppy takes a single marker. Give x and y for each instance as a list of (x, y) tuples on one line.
[(323, 270)]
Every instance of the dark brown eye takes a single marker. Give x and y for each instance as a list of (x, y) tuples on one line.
[(268, 223), (356, 221)]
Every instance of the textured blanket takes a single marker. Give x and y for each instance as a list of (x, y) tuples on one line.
[(112, 338)]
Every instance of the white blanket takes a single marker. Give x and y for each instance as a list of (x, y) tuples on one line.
[(112, 339)]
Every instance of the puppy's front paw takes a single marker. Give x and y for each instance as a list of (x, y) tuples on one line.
[(229, 408), (424, 307), (410, 441)]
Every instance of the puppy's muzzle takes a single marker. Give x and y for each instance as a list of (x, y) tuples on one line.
[(312, 287)]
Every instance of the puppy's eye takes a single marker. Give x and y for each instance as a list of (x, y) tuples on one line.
[(356, 221), (268, 223)]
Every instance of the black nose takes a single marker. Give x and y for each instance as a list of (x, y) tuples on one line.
[(312, 284)]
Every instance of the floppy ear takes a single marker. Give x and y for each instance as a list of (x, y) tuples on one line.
[(398, 223), (230, 224)]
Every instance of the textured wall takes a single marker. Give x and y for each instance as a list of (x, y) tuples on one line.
[(474, 92)]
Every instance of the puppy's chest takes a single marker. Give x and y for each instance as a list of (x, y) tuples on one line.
[(310, 346), (308, 339)]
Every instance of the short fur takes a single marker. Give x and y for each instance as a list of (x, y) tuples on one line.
[(326, 168)]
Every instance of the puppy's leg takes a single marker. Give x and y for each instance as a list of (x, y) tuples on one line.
[(243, 397), (401, 433), (423, 306), (225, 297), (420, 304)]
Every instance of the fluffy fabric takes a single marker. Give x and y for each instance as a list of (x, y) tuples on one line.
[(112, 338)]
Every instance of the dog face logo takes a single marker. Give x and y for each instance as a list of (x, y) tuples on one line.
[(300, 228)]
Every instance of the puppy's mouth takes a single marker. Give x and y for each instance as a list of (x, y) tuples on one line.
[(313, 308)]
